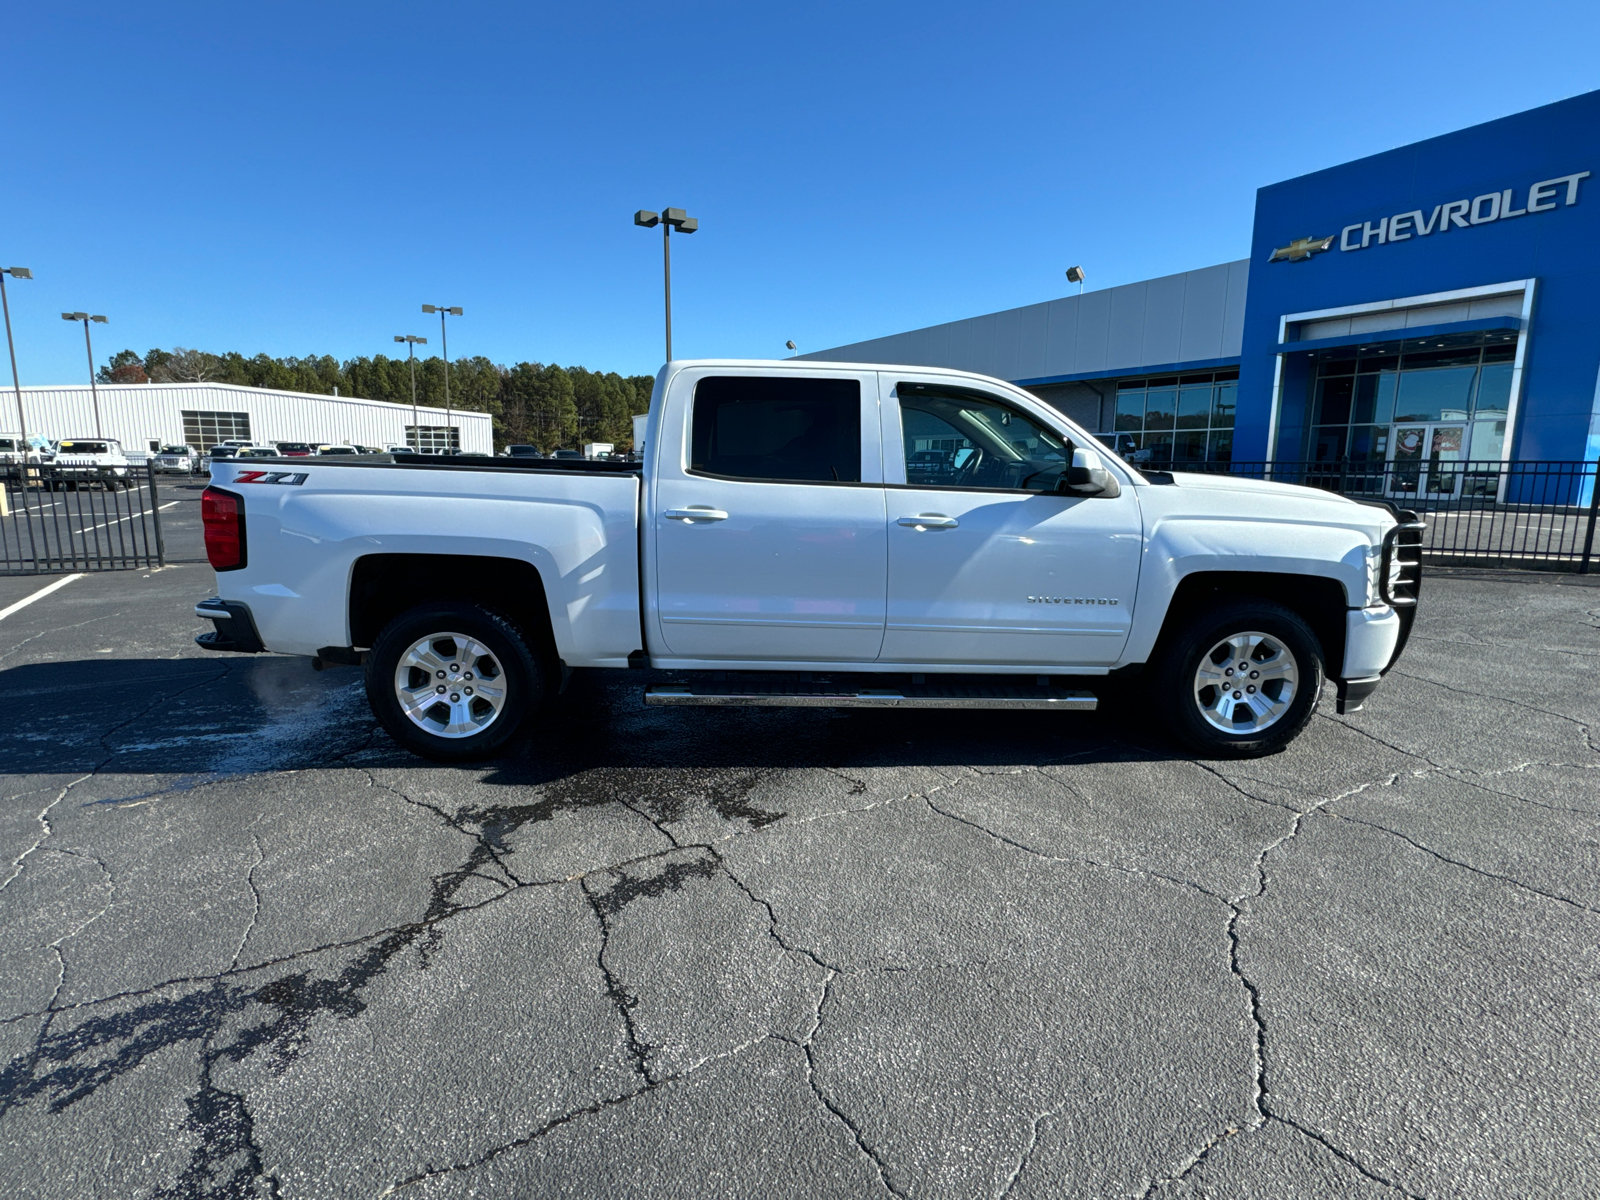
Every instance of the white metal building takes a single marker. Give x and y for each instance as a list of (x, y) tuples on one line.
[(144, 416)]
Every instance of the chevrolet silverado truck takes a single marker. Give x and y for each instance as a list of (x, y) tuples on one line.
[(816, 534)]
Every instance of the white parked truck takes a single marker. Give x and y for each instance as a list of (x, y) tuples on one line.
[(91, 460), (820, 534)]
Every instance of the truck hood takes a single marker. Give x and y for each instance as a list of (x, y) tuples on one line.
[(1234, 497), (1262, 487)]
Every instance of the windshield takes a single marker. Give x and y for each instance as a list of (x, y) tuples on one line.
[(85, 448), (294, 447), (174, 449)]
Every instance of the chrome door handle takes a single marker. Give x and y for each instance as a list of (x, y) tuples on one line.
[(695, 512), (929, 521)]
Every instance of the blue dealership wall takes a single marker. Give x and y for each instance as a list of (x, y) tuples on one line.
[(1560, 248)]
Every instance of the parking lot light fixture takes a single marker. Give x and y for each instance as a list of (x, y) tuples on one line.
[(1075, 275), (444, 346), (412, 341), (669, 219), (88, 348), (16, 384)]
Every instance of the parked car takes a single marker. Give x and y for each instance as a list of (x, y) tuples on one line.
[(258, 452), (295, 449), (575, 454), (322, 450), (523, 452), (773, 527), (91, 460), (177, 460)]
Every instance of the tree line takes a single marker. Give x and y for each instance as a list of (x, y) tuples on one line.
[(538, 404)]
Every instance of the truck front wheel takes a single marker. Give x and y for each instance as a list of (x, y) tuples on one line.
[(1240, 680), (452, 681)]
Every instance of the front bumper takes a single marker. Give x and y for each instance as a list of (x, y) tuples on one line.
[(234, 627), (1376, 637)]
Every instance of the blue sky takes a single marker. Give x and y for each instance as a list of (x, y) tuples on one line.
[(300, 178)]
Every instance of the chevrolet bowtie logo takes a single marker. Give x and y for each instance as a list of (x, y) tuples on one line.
[(1301, 248)]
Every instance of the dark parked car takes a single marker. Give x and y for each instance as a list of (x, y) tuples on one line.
[(523, 452)]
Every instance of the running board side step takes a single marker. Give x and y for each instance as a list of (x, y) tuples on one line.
[(946, 697)]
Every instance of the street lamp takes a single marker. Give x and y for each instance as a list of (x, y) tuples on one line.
[(790, 344), (1075, 275), (444, 344), (412, 342), (16, 384), (669, 219), (89, 350)]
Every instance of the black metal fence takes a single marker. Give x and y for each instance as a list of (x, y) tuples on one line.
[(74, 519), (1527, 514)]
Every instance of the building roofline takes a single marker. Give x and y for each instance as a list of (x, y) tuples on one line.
[(243, 390)]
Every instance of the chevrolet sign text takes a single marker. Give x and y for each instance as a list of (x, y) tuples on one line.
[(1462, 214)]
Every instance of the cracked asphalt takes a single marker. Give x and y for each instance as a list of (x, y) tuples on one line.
[(251, 949)]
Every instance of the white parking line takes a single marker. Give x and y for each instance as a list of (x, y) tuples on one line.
[(119, 520), (39, 595)]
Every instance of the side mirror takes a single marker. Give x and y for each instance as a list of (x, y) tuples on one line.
[(1087, 476)]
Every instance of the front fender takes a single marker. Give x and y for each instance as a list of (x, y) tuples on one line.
[(1179, 547)]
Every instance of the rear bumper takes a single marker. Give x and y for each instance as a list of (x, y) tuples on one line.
[(234, 627)]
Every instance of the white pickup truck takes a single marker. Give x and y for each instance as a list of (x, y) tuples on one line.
[(818, 534)]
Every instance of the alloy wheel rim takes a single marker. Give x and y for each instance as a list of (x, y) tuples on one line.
[(1246, 682), (450, 685)]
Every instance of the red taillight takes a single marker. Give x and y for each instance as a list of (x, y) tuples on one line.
[(222, 514)]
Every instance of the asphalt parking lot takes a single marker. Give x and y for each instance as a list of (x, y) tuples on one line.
[(248, 948)]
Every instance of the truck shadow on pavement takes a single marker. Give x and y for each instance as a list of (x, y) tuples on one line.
[(237, 714)]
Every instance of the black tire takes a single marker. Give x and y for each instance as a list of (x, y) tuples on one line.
[(519, 674), (1230, 724)]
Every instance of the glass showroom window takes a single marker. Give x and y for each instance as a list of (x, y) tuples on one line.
[(1363, 396), (1175, 419)]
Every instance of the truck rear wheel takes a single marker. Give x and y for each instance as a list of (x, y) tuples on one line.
[(1240, 680), (452, 681)]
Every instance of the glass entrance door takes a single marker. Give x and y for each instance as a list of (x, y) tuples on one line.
[(1426, 459)]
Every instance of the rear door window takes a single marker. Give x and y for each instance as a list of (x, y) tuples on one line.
[(793, 430)]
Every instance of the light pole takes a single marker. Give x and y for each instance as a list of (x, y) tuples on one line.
[(1075, 275), (444, 344), (16, 384), (791, 346), (669, 219), (412, 342), (89, 350)]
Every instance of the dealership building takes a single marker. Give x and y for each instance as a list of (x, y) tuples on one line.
[(1437, 301), (147, 416)]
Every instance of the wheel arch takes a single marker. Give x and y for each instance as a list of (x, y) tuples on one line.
[(1318, 599), (382, 586)]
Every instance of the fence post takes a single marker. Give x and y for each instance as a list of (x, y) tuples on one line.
[(155, 511), (1594, 510)]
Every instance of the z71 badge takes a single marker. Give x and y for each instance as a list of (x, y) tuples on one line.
[(294, 478)]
